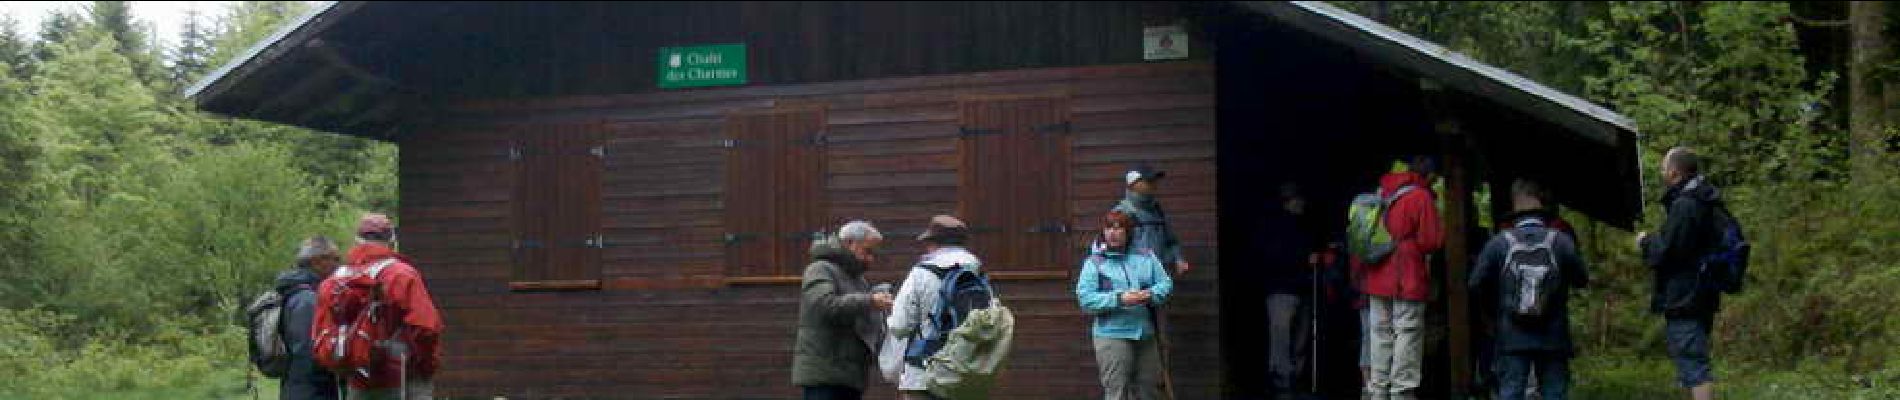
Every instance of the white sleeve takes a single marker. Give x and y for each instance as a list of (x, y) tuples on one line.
[(905, 312)]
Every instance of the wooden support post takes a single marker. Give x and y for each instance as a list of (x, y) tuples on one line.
[(1457, 219), (1442, 106)]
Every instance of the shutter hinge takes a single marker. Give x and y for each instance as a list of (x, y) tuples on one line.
[(514, 154), (729, 143), (968, 131), (735, 238), (598, 151), (596, 241), (1059, 127), (813, 235), (1057, 227)]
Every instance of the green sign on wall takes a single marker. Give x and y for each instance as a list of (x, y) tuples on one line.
[(700, 66)]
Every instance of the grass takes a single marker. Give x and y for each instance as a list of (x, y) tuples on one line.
[(1653, 377)]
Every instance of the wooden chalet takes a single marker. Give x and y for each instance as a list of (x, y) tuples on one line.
[(614, 199)]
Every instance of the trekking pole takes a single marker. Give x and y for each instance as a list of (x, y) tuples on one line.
[(402, 374), (1161, 345)]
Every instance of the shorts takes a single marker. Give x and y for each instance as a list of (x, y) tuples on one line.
[(1689, 347)]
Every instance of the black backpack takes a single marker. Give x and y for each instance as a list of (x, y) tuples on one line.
[(962, 291), (1531, 277)]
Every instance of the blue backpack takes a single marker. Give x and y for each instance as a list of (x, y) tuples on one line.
[(1726, 267), (962, 291)]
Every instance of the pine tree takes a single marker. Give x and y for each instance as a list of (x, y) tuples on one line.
[(192, 58), (115, 18), (54, 30), (14, 49)]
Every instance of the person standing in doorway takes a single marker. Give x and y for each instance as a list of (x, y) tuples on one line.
[(1399, 285)]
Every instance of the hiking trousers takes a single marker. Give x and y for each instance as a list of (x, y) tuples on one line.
[(1396, 346), (1131, 369), (1286, 343)]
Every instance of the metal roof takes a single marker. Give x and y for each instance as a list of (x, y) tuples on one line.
[(269, 48)]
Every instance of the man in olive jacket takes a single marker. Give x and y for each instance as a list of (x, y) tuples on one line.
[(839, 320)]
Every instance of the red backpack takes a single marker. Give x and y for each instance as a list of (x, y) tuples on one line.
[(348, 342)]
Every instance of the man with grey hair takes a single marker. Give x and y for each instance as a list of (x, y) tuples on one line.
[(1674, 255), (317, 257), (839, 320)]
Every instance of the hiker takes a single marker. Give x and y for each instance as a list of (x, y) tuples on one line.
[(1120, 286), (1530, 269), (1290, 255), (316, 259), (1151, 231), (840, 320), (1674, 255), (1549, 212), (1398, 284), (918, 297), (404, 344)]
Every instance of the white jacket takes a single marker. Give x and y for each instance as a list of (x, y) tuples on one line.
[(910, 312)]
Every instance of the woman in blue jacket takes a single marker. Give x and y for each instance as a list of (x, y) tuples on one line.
[(1121, 288)]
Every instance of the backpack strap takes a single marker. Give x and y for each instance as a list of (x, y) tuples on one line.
[(1396, 194), (377, 268)]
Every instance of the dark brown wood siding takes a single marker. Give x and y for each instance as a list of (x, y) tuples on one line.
[(671, 320), (511, 49)]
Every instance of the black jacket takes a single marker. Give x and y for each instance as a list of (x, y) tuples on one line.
[(1550, 334), (1281, 245), (305, 379), (1674, 252)]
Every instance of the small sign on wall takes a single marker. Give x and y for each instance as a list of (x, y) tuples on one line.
[(699, 66), (1167, 42)]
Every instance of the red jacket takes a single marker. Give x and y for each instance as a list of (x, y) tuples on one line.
[(409, 303), (1416, 231)]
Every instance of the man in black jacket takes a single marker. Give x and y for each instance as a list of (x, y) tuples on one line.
[(1674, 254), (305, 380)]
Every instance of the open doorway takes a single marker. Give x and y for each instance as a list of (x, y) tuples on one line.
[(1295, 109)]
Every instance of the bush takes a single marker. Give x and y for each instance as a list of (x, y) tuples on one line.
[(181, 358)]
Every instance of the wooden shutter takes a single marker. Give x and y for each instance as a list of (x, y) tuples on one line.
[(534, 167), (774, 190), (575, 228), (801, 191), (557, 215), (1014, 181)]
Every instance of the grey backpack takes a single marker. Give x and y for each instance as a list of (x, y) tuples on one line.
[(264, 324), (1531, 276)]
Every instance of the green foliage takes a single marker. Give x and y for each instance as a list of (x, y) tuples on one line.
[(115, 18), (192, 58), (15, 50), (132, 226), (55, 29), (1728, 79), (248, 22), (181, 358)]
